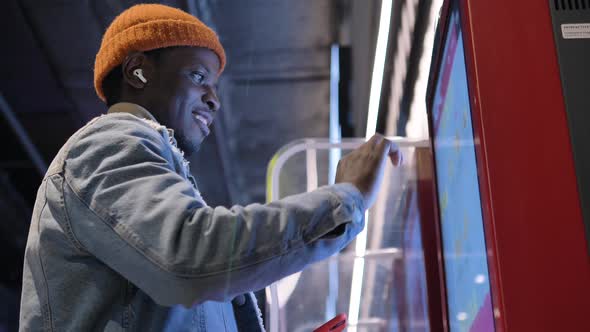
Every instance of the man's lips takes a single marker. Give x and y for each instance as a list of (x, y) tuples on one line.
[(204, 117)]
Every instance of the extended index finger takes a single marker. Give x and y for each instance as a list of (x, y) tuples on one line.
[(376, 140), (389, 148)]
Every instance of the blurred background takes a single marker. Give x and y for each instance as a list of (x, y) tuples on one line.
[(296, 68)]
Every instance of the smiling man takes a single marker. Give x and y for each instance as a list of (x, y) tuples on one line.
[(121, 239), (180, 92)]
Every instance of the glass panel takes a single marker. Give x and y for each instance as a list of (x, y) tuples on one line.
[(393, 287)]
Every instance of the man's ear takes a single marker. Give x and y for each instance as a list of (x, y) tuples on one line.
[(136, 60)]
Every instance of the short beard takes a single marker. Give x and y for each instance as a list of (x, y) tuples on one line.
[(186, 147)]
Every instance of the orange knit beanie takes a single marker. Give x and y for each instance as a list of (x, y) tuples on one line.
[(147, 27)]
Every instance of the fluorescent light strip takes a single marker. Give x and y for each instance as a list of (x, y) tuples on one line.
[(311, 169), (357, 278), (335, 129), (373, 111), (417, 126), (334, 157), (378, 67)]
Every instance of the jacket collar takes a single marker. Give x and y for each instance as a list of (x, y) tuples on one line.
[(133, 109), (144, 114), (141, 113)]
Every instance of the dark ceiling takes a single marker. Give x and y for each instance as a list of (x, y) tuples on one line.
[(275, 89)]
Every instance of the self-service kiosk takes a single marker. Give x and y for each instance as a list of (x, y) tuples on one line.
[(509, 113)]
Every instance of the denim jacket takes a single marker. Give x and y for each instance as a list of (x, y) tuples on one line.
[(120, 237)]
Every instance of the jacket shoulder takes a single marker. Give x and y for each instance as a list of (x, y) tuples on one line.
[(122, 123), (113, 130), (110, 131)]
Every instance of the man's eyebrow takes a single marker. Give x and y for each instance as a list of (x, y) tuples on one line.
[(206, 69), (199, 66)]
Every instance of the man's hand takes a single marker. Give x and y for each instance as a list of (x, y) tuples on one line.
[(364, 166)]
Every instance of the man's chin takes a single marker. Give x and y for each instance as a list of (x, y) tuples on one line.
[(190, 147), (194, 148)]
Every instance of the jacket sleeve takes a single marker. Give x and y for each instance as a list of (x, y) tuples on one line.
[(131, 210)]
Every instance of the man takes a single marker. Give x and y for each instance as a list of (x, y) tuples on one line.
[(120, 234)]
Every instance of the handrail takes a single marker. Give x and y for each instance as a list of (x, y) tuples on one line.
[(284, 153)]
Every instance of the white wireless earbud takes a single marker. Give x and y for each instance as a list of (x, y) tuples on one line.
[(139, 73)]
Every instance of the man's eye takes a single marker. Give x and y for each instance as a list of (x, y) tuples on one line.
[(198, 77)]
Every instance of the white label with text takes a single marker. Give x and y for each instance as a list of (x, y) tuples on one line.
[(575, 31)]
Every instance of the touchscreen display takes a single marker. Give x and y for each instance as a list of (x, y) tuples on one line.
[(464, 249)]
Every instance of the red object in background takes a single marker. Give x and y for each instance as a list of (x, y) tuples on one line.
[(336, 324), (537, 250)]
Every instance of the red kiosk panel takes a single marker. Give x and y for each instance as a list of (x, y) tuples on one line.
[(515, 200)]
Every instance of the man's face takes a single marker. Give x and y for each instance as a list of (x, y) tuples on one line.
[(182, 93)]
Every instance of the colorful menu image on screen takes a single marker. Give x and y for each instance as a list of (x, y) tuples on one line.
[(464, 249)]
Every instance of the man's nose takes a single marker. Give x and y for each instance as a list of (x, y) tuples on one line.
[(210, 98)]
